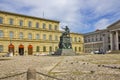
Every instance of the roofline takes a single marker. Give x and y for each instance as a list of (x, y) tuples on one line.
[(113, 23), (6, 12), (76, 33)]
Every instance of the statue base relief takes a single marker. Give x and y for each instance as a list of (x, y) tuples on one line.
[(65, 52)]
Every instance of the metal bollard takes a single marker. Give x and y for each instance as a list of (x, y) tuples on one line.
[(31, 74)]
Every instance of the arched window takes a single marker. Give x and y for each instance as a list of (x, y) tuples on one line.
[(11, 34), (37, 36), (21, 35), (1, 33), (30, 36)]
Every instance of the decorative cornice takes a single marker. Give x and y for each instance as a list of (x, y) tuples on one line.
[(11, 13)]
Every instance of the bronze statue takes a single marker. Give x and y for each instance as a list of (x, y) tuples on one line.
[(65, 39), (67, 31)]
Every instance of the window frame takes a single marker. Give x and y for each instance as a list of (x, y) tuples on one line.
[(11, 34), (21, 35), (29, 24), (21, 23), (1, 48), (1, 33), (11, 21), (1, 20), (30, 36)]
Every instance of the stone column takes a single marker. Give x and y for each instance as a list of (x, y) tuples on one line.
[(111, 40), (104, 43), (117, 41)]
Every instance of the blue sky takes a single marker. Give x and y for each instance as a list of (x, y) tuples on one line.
[(80, 16)]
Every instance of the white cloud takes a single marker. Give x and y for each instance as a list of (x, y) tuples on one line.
[(102, 24), (77, 14)]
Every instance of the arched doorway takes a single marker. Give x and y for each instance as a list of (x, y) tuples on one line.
[(21, 49), (11, 48), (30, 50)]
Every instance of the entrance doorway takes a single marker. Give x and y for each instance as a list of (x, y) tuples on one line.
[(30, 50), (11, 48), (21, 49)]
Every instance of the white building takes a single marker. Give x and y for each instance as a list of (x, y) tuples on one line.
[(97, 41), (114, 30), (103, 40)]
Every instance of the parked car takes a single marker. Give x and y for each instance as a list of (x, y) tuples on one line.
[(98, 52)]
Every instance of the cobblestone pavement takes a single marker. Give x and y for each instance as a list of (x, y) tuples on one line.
[(82, 67)]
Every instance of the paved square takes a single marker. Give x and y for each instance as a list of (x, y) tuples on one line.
[(82, 67)]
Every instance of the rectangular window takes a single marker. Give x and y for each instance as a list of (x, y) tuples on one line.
[(50, 37), (44, 36), (11, 22), (50, 27), (56, 38), (44, 49), (79, 39), (29, 24), (1, 20), (21, 35), (30, 36), (55, 27), (79, 49), (37, 36), (1, 33), (1, 48), (50, 48), (75, 49), (21, 23), (75, 39), (37, 49), (37, 25), (44, 26), (11, 35)]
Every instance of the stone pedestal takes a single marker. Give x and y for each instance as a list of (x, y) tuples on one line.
[(65, 45), (65, 52)]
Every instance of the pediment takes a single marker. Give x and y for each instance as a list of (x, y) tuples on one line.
[(114, 25)]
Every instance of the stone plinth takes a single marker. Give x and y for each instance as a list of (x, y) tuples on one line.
[(65, 52)]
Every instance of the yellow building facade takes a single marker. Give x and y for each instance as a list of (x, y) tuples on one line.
[(42, 34)]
